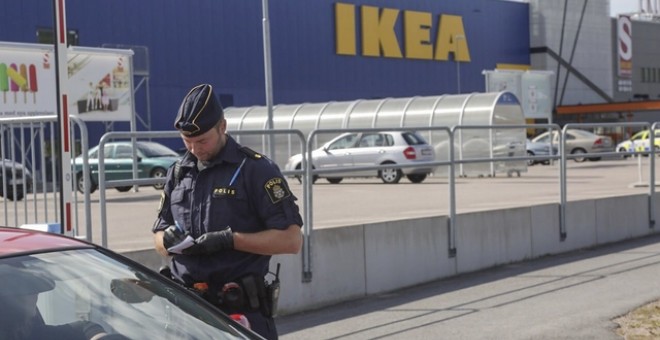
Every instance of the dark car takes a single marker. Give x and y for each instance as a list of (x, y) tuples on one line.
[(153, 160), (15, 180), (57, 287)]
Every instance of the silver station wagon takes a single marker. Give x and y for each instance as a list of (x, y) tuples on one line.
[(350, 150)]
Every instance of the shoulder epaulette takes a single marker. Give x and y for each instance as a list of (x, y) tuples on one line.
[(251, 153), (178, 174)]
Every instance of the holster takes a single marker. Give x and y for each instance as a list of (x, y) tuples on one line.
[(249, 293), (261, 295)]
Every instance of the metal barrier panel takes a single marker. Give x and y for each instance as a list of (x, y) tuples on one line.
[(30, 185), (29, 170)]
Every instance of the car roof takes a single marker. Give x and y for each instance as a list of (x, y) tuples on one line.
[(15, 240), (128, 142)]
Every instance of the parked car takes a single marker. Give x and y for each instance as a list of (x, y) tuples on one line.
[(639, 142), (370, 149), (14, 175), (540, 149), (58, 287), (579, 142), (153, 160)]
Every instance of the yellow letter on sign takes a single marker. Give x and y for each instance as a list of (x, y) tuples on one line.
[(378, 32), (451, 38), (418, 35), (345, 28)]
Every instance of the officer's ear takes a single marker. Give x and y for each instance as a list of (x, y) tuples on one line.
[(222, 126)]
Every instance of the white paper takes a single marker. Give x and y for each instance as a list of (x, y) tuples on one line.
[(179, 247)]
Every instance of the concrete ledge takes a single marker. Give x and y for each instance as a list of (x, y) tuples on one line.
[(355, 261), (405, 253), (490, 238)]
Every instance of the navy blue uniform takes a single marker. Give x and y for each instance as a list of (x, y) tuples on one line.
[(238, 188)]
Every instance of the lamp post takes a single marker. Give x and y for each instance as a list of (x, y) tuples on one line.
[(268, 77), (458, 63)]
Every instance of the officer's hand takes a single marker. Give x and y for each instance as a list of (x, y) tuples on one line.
[(172, 236), (212, 242)]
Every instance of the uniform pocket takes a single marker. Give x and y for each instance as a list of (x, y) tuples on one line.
[(180, 207), (229, 206)]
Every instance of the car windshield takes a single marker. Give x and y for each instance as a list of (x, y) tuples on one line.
[(156, 150), (85, 284)]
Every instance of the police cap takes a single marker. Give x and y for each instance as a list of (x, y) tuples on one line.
[(199, 112)]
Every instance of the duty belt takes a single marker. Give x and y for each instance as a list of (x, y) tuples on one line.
[(245, 295)]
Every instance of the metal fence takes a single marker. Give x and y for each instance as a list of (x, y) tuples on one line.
[(29, 142)]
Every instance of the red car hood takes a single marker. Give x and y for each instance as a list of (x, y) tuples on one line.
[(13, 240)]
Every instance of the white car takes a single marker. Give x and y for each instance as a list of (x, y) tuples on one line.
[(639, 142), (370, 149)]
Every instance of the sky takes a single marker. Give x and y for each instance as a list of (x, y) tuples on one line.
[(623, 6)]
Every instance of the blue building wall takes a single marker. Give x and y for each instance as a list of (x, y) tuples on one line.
[(220, 42)]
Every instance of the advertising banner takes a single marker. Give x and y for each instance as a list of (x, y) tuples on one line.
[(99, 87), (533, 89), (537, 94)]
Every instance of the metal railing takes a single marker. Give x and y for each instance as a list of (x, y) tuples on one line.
[(11, 130), (149, 134)]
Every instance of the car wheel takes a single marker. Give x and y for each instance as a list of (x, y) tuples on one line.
[(624, 151), (416, 178), (299, 178), (579, 151), (14, 196), (530, 162), (390, 176), (159, 173), (81, 184), (123, 189), (334, 180)]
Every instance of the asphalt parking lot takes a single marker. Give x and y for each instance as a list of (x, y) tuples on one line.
[(130, 215), (568, 296)]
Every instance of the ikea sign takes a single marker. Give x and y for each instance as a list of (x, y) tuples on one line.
[(378, 36)]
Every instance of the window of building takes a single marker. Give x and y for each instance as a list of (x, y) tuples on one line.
[(46, 36)]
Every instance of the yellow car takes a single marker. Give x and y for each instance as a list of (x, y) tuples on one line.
[(639, 142)]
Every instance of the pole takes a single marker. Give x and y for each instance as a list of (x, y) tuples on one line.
[(458, 63), (268, 78), (458, 76), (64, 151)]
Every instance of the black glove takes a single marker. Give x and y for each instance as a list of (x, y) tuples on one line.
[(87, 329), (172, 236), (212, 242)]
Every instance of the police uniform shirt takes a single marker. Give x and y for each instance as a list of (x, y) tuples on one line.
[(238, 188)]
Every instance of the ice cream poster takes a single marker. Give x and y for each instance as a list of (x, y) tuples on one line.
[(27, 83), (98, 88)]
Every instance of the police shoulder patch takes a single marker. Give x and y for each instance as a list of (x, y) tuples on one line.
[(277, 189)]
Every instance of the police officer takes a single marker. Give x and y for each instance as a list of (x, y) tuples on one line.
[(236, 206)]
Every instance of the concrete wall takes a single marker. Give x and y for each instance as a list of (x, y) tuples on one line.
[(355, 261)]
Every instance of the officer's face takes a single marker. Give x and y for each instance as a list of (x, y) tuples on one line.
[(207, 145)]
